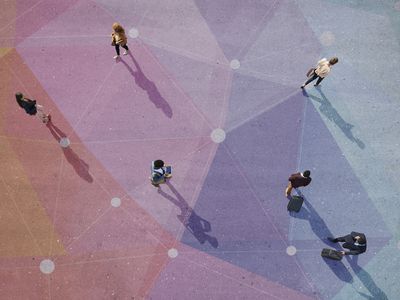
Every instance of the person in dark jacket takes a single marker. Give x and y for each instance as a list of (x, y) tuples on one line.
[(159, 172), (356, 242), (297, 180), (32, 108)]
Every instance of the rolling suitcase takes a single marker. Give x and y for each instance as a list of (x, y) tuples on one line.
[(331, 254), (295, 203)]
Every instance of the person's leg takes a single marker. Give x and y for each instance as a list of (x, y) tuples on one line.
[(312, 78), (288, 191), (319, 80), (126, 49), (116, 50), (40, 113)]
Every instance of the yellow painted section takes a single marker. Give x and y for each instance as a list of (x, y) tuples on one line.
[(25, 228), (4, 51)]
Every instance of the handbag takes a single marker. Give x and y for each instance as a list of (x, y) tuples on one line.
[(310, 72)]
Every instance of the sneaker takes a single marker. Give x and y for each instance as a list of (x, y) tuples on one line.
[(126, 52), (303, 86), (116, 57), (331, 239), (48, 118)]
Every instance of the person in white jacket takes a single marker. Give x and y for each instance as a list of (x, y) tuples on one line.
[(321, 71)]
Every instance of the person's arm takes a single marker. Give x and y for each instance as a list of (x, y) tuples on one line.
[(351, 252), (321, 62)]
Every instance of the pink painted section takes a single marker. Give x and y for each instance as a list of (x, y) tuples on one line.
[(139, 101), (31, 16), (84, 23), (116, 230), (206, 274), (97, 276), (176, 25), (77, 85), (28, 283)]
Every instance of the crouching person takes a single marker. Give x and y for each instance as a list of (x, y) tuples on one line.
[(159, 172)]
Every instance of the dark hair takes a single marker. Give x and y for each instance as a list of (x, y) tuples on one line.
[(306, 173), (333, 60), (158, 164), (19, 97)]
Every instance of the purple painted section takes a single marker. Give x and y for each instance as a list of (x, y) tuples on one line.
[(285, 49), (267, 157), (334, 205), (251, 96), (207, 84), (236, 23), (335, 191), (196, 275), (237, 220)]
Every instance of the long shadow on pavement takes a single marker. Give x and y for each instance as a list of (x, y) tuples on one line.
[(196, 225), (80, 166), (149, 86), (331, 113)]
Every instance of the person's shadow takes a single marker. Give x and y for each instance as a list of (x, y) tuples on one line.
[(147, 85), (331, 113), (80, 166), (366, 279), (321, 230), (196, 225)]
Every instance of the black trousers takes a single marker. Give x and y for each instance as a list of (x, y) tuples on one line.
[(123, 46), (312, 78)]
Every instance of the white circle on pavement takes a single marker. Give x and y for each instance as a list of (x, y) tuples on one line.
[(235, 64), (291, 250), (64, 142), (115, 202), (46, 266), (218, 135), (327, 38), (134, 33), (172, 253)]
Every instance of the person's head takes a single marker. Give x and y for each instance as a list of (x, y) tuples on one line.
[(117, 27), (306, 173), (333, 60), (20, 98), (158, 164)]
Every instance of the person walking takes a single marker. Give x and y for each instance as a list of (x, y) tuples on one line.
[(356, 242), (159, 172), (297, 180), (32, 108), (321, 71), (118, 38)]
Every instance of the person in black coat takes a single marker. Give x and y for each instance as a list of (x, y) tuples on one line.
[(356, 242), (297, 180), (31, 107)]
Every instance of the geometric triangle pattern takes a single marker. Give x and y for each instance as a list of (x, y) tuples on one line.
[(220, 226)]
